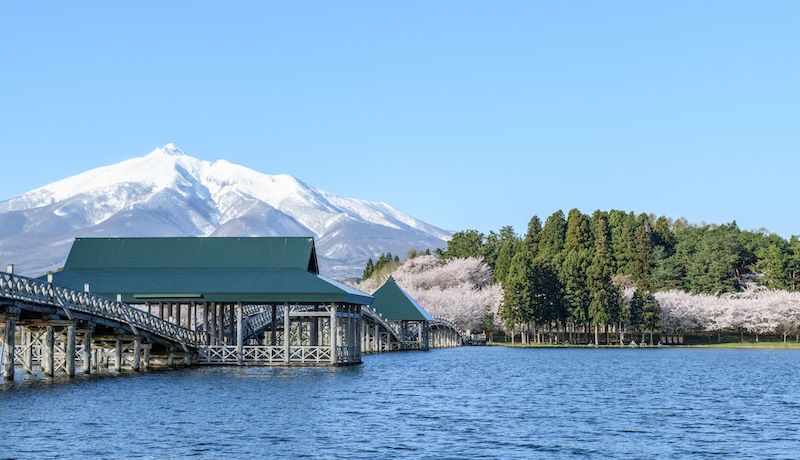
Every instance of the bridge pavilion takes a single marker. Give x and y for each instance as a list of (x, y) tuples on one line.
[(256, 300), (404, 313)]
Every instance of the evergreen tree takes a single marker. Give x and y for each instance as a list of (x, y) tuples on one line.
[(602, 291), (651, 313), (710, 257), (507, 249), (487, 324), (517, 290), (551, 242), (775, 262), (622, 241), (667, 271), (636, 309), (794, 263), (642, 263), (490, 248), (547, 293), (468, 243), (662, 234), (533, 236), (368, 269), (577, 258)]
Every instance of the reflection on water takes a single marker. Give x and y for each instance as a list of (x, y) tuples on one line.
[(455, 403)]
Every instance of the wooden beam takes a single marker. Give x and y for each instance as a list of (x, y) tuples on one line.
[(8, 349), (118, 355), (71, 338), (274, 339), (213, 327), (205, 324), (147, 357), (137, 354), (48, 354), (87, 352)]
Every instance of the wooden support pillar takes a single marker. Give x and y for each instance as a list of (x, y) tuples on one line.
[(87, 352), (8, 349), (71, 338), (377, 340), (239, 334), (213, 327), (361, 334), (27, 343), (273, 340), (287, 320), (220, 323), (205, 324), (147, 357), (334, 333), (48, 354), (231, 323), (118, 355), (314, 331), (137, 354)]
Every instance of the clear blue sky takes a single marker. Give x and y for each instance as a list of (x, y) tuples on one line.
[(465, 114)]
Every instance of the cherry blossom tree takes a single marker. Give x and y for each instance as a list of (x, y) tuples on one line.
[(459, 290)]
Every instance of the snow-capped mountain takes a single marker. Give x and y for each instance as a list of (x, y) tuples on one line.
[(169, 193)]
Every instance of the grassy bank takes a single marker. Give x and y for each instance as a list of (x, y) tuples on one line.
[(749, 345), (786, 345)]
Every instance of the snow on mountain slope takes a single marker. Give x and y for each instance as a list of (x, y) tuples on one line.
[(169, 193)]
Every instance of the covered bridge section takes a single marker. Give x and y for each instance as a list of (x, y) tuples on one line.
[(417, 328), (251, 300)]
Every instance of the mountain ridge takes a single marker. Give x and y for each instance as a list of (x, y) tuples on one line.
[(170, 193)]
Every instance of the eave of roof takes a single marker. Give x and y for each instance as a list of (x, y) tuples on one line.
[(247, 285)]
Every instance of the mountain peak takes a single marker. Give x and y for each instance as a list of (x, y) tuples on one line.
[(170, 149)]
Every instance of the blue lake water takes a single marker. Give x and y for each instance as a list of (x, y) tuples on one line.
[(476, 402)]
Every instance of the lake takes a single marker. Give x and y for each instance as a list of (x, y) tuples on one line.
[(472, 402)]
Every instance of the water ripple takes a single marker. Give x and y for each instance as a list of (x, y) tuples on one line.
[(458, 403)]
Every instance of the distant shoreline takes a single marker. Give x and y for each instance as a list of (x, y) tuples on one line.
[(727, 345)]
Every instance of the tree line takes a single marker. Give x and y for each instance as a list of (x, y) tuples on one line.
[(564, 279)]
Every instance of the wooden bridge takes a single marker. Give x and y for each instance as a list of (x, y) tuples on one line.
[(53, 329)]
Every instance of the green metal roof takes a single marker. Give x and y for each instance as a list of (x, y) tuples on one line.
[(191, 252), (250, 270), (394, 304)]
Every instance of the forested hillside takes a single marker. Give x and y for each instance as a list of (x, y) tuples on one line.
[(615, 270)]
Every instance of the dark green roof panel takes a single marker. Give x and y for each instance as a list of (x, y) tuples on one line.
[(191, 252), (251, 285), (394, 304), (254, 270)]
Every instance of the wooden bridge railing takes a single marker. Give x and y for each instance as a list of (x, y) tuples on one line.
[(376, 317), (446, 323), (27, 290)]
